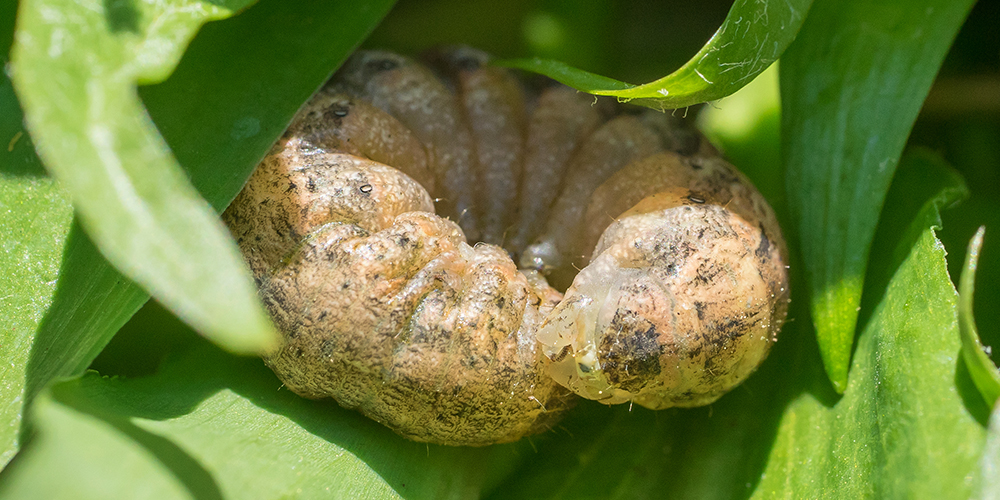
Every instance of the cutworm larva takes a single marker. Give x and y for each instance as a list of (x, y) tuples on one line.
[(357, 227)]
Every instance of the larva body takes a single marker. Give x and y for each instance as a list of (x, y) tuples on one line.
[(387, 308)]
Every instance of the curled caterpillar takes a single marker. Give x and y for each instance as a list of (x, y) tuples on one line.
[(357, 225)]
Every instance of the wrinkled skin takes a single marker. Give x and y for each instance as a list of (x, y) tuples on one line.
[(387, 308)]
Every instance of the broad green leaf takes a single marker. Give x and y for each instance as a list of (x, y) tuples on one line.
[(982, 370), (753, 36), (851, 86), (206, 116), (76, 65), (903, 428), (212, 425)]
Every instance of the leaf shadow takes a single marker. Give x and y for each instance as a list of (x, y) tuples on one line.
[(194, 371), (91, 302), (122, 16)]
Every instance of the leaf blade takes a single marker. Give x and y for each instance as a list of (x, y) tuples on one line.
[(982, 370), (228, 431), (739, 51), (93, 134), (851, 86)]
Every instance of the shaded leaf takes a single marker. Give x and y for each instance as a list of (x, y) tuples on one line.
[(982, 370), (753, 36), (852, 84), (35, 215)]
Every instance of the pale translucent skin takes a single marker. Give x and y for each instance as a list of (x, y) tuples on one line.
[(387, 308)]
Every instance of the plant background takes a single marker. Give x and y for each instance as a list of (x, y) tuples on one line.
[(165, 413)]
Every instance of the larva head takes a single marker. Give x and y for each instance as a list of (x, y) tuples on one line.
[(681, 303)]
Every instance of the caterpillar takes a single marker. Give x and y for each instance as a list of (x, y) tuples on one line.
[(383, 228)]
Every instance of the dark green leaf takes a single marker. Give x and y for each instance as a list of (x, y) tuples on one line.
[(852, 84), (982, 370), (753, 36)]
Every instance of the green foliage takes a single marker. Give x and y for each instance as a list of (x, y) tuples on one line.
[(852, 85), (95, 138), (218, 115), (167, 414), (752, 37), (981, 369)]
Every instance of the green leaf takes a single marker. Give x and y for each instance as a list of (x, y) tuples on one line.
[(228, 430), (904, 428), (94, 136), (851, 85), (205, 111), (988, 482), (982, 370), (753, 36)]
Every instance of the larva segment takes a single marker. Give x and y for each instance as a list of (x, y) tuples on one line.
[(617, 143), (494, 105), (387, 309), (337, 122), (705, 176), (417, 98), (562, 119)]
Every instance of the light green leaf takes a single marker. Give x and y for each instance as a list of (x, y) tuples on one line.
[(58, 327), (982, 370), (35, 215), (988, 486), (851, 85), (76, 65), (753, 36), (212, 425)]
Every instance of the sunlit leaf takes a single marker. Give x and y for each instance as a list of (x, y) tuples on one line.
[(94, 136), (851, 86), (982, 370), (988, 485), (753, 36)]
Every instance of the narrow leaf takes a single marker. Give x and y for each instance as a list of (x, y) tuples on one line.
[(982, 370), (852, 84), (753, 36), (75, 69)]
